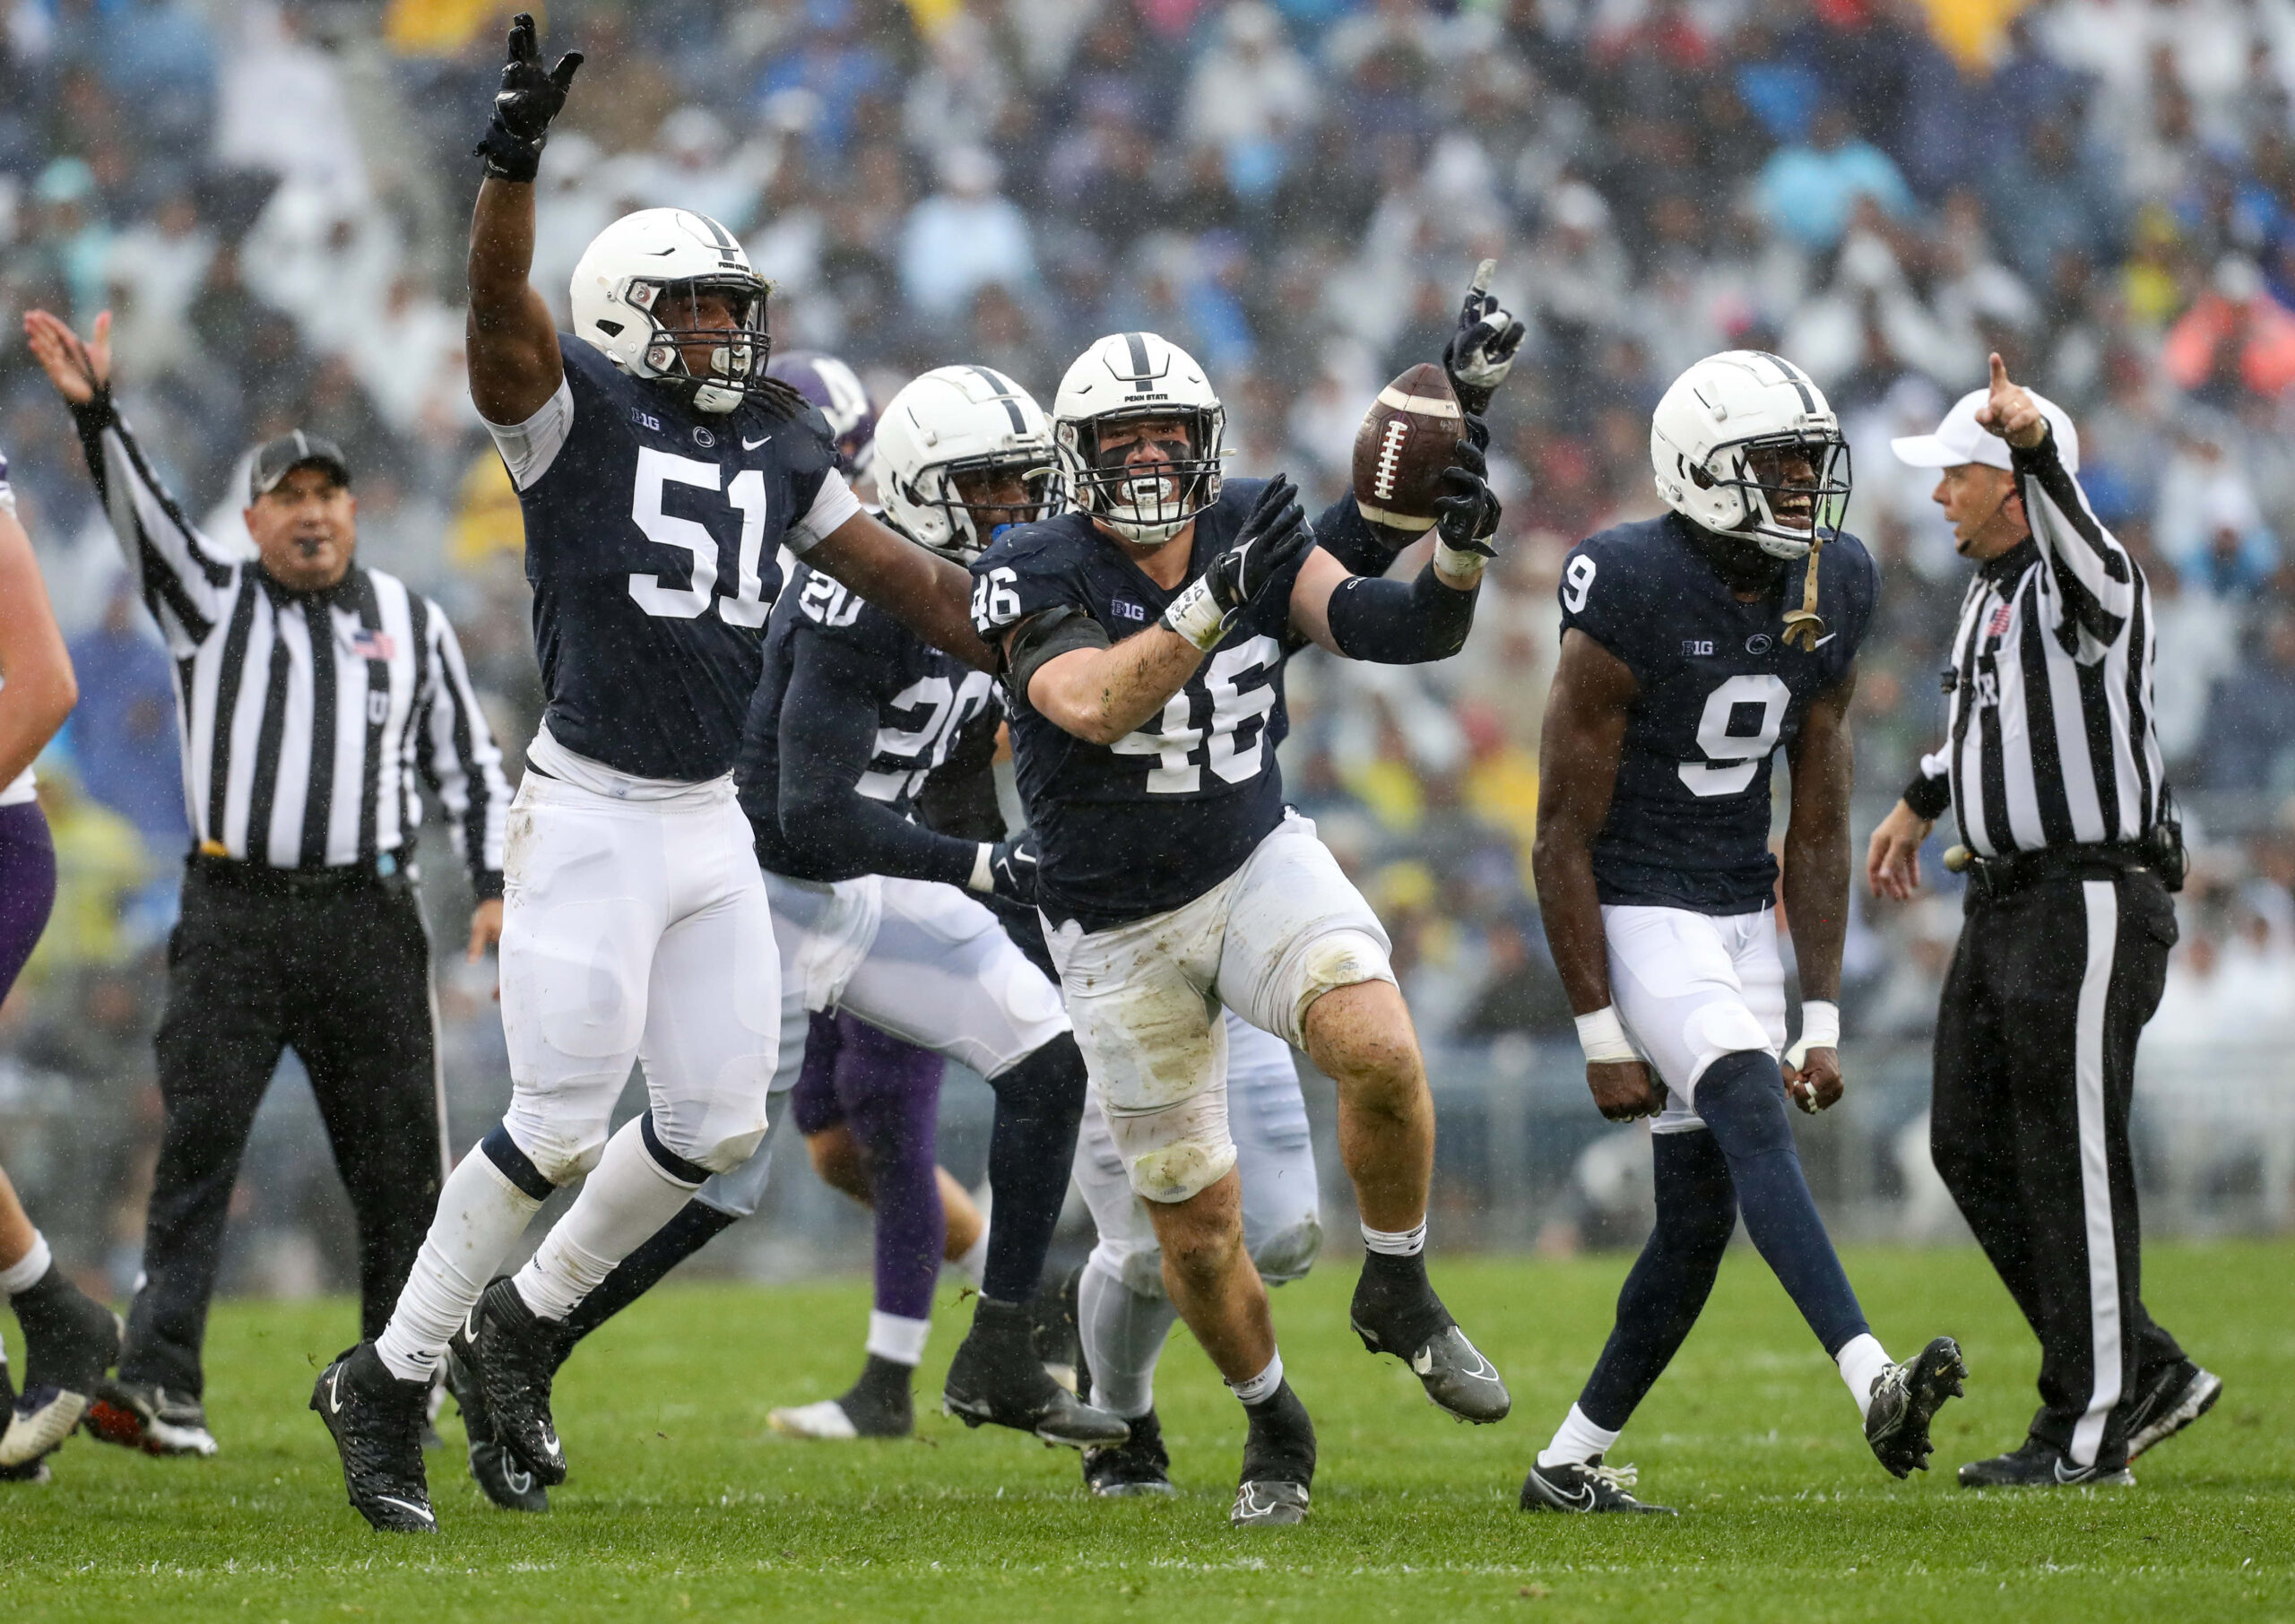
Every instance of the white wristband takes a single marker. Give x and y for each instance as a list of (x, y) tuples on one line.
[(982, 879), (1196, 617), (1603, 1038), (1458, 563), (1820, 1029)]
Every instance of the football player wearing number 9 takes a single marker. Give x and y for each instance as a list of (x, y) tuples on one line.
[(1145, 635), (1694, 647), (659, 472)]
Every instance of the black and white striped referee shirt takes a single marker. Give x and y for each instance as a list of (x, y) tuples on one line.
[(305, 717), (2051, 741)]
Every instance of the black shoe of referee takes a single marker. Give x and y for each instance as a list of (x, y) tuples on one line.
[(375, 1421), (2037, 1465), (2169, 1402)]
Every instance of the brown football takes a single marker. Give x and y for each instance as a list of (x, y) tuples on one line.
[(1403, 447)]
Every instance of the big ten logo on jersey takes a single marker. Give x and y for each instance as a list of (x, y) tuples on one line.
[(828, 603), (664, 478), (931, 711), (1737, 730), (1233, 741)]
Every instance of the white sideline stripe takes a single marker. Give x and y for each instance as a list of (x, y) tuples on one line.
[(1390, 519), (1427, 405), (2102, 897)]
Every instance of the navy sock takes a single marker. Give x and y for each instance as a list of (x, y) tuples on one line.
[(695, 1226), (1039, 1103), (1697, 1210), (1742, 1099)]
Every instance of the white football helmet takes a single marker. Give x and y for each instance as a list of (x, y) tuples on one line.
[(636, 295), (1719, 441), (1125, 378), (953, 423)]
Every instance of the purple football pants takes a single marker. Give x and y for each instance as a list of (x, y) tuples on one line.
[(888, 1093), (27, 887)]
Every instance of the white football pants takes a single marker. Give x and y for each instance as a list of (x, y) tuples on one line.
[(1690, 987)]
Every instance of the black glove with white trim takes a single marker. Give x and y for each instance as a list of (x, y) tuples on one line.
[(1006, 870), (524, 107), (1481, 352), (1275, 536)]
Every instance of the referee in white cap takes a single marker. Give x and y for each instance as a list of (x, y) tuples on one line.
[(2070, 842)]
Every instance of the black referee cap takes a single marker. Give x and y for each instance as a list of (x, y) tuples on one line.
[(274, 459)]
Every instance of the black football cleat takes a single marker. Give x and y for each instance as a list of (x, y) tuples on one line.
[(375, 1421), (1585, 1487), (70, 1341), (1905, 1399), (1278, 1464), (1139, 1466), (2037, 1465), (997, 1378), (500, 1476), (513, 1355), (146, 1416), (2169, 1403), (1395, 1311)]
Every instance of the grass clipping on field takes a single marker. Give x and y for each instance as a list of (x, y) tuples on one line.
[(680, 1503)]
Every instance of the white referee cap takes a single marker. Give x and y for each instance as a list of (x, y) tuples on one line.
[(1959, 438)]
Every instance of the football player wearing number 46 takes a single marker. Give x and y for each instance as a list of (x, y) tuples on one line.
[(1145, 635), (659, 472), (1694, 647)]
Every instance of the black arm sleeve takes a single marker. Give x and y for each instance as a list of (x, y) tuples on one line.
[(1390, 623), (1349, 537), (828, 730)]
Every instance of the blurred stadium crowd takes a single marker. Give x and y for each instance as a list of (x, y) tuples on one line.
[(272, 196)]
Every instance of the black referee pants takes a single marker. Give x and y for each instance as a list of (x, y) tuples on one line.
[(342, 976), (2048, 991)]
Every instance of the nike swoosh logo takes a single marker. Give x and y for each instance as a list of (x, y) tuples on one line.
[(520, 1482), (749, 445), (421, 1511), (2078, 1475), (335, 1391), (550, 1441), (1581, 1499), (469, 1323)]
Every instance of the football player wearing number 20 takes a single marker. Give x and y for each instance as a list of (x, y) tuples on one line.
[(659, 472), (1695, 646), (1145, 635)]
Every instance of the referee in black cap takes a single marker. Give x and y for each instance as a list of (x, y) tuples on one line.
[(312, 693), (2071, 846)]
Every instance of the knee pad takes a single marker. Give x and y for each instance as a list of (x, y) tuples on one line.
[(691, 1146), (1720, 1029), (1048, 1083), (1178, 1152), (561, 1152), (1288, 1254), (1742, 1100), (1345, 957), (1138, 1269)]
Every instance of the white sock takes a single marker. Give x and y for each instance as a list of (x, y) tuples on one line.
[(1255, 1388), (1397, 1243), (626, 1198), (1123, 1333), (1861, 1359), (1577, 1441), (898, 1339), (27, 1270), (972, 1263), (480, 1216)]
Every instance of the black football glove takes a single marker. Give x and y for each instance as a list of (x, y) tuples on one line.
[(1467, 513), (1012, 869), (524, 107), (1275, 536), (1481, 352)]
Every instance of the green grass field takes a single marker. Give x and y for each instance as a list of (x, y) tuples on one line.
[(682, 1504)]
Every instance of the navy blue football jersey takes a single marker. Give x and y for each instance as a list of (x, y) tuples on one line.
[(1154, 820), (1721, 693), (652, 538), (924, 699)]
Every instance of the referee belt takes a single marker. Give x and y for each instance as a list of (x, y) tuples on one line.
[(383, 873), (1993, 877)]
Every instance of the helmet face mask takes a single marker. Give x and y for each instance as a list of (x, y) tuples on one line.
[(1123, 382), (659, 283), (1744, 446)]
